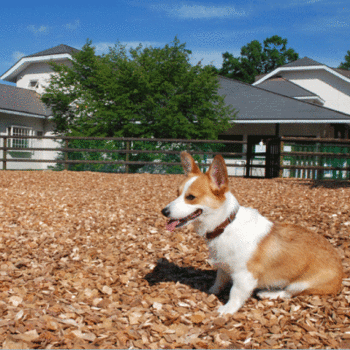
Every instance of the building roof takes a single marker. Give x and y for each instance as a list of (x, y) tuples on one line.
[(55, 51), (14, 99), (344, 72), (285, 87), (303, 62), (256, 105)]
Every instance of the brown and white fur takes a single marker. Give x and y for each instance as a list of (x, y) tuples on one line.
[(281, 259)]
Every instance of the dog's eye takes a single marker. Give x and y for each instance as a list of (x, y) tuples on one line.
[(190, 197)]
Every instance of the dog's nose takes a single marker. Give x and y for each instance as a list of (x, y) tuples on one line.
[(166, 211)]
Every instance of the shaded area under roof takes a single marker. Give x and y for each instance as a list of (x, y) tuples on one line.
[(60, 49), (256, 104), (285, 87), (16, 99)]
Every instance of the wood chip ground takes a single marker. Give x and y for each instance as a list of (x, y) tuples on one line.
[(86, 262)]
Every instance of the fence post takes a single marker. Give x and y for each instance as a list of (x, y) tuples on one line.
[(319, 173), (4, 163), (66, 155), (127, 157), (280, 161), (248, 159)]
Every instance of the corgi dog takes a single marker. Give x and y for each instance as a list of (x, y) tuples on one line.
[(278, 260)]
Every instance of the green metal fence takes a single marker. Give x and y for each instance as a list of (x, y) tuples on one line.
[(316, 159)]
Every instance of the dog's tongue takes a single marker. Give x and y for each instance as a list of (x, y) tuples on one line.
[(170, 226)]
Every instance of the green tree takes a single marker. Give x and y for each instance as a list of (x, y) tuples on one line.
[(346, 64), (150, 92), (146, 92), (257, 59)]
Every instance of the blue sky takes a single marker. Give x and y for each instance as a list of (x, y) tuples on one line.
[(319, 29)]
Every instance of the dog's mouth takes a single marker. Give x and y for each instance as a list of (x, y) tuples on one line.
[(176, 223)]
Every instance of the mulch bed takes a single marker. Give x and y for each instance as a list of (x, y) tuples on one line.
[(86, 262)]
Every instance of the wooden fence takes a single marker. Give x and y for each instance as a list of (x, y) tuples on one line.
[(315, 158)]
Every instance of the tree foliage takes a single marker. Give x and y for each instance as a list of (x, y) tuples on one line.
[(257, 59), (346, 64), (146, 92)]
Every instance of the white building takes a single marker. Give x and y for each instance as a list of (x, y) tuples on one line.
[(21, 110), (302, 98), (310, 81)]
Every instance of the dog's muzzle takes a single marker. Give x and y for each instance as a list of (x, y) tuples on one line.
[(176, 223)]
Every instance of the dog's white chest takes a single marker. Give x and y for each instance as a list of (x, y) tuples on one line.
[(235, 246)]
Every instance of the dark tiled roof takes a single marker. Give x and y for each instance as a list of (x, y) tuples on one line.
[(303, 62), (60, 49), (344, 72), (256, 104), (17, 99), (285, 87)]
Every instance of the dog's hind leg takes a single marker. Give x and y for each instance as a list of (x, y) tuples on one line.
[(286, 293), (283, 294)]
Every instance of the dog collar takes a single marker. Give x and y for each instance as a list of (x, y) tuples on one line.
[(220, 229)]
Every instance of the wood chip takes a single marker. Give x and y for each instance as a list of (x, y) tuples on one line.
[(86, 262)]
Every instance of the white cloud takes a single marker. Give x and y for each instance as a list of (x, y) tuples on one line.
[(73, 26), (325, 25), (300, 3), (207, 57), (17, 55), (38, 30), (229, 39), (200, 11), (101, 48)]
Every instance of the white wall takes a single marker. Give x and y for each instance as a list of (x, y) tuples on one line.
[(37, 124), (333, 90), (40, 71)]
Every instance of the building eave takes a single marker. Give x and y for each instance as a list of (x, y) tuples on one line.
[(290, 121), (24, 62), (305, 68), (23, 114)]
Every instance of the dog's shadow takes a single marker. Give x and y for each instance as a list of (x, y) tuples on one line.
[(202, 280)]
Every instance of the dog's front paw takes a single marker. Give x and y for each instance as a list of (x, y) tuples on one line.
[(228, 309)]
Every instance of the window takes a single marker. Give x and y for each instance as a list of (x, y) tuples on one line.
[(20, 131), (33, 84)]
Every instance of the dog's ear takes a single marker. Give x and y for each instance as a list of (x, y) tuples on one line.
[(218, 174), (189, 165)]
